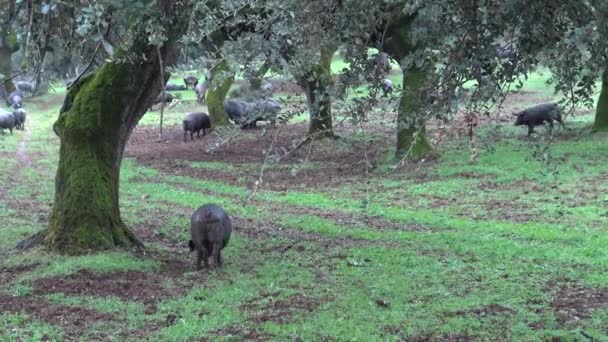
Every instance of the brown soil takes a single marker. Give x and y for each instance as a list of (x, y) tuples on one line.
[(7, 274), (75, 321), (246, 152), (148, 288), (572, 302)]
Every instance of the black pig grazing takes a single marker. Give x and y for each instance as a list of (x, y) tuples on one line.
[(25, 87), (194, 122), (174, 87), (19, 114), (537, 115), (238, 111), (7, 120), (200, 90), (168, 98), (210, 229), (190, 81), (387, 86), (15, 99)]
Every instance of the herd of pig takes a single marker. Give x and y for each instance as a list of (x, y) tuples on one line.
[(15, 118), (246, 114), (243, 113)]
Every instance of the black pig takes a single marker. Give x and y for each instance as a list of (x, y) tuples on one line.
[(539, 114), (210, 229), (174, 87), (19, 114), (190, 81), (194, 122), (15, 99), (7, 120)]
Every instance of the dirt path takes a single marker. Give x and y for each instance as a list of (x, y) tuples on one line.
[(21, 152)]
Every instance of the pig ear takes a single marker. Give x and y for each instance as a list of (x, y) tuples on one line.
[(191, 245)]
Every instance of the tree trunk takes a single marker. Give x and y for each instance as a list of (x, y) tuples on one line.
[(412, 142), (98, 115), (8, 46), (316, 84), (216, 94), (601, 111), (256, 77)]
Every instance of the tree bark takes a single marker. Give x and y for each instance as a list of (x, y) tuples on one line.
[(316, 84), (94, 124), (8, 46), (601, 111), (412, 142), (216, 94), (256, 77)]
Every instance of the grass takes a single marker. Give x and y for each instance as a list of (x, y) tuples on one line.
[(473, 251), (18, 327)]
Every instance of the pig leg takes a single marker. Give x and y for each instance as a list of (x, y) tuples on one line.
[(213, 257), (199, 258), (191, 135), (530, 130)]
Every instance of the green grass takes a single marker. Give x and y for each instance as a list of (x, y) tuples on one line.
[(452, 241), (17, 327)]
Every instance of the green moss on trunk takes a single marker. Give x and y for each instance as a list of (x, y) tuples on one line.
[(8, 46), (216, 95), (601, 112), (317, 84), (98, 115), (412, 142), (255, 78), (94, 125)]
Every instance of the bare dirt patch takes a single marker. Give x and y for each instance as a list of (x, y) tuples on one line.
[(75, 321), (9, 273), (247, 151), (572, 302), (148, 288)]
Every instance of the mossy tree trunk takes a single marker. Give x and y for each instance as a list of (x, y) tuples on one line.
[(8, 46), (256, 77), (216, 94), (94, 124), (601, 111), (412, 142), (317, 85)]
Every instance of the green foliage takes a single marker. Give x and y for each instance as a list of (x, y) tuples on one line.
[(478, 250)]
